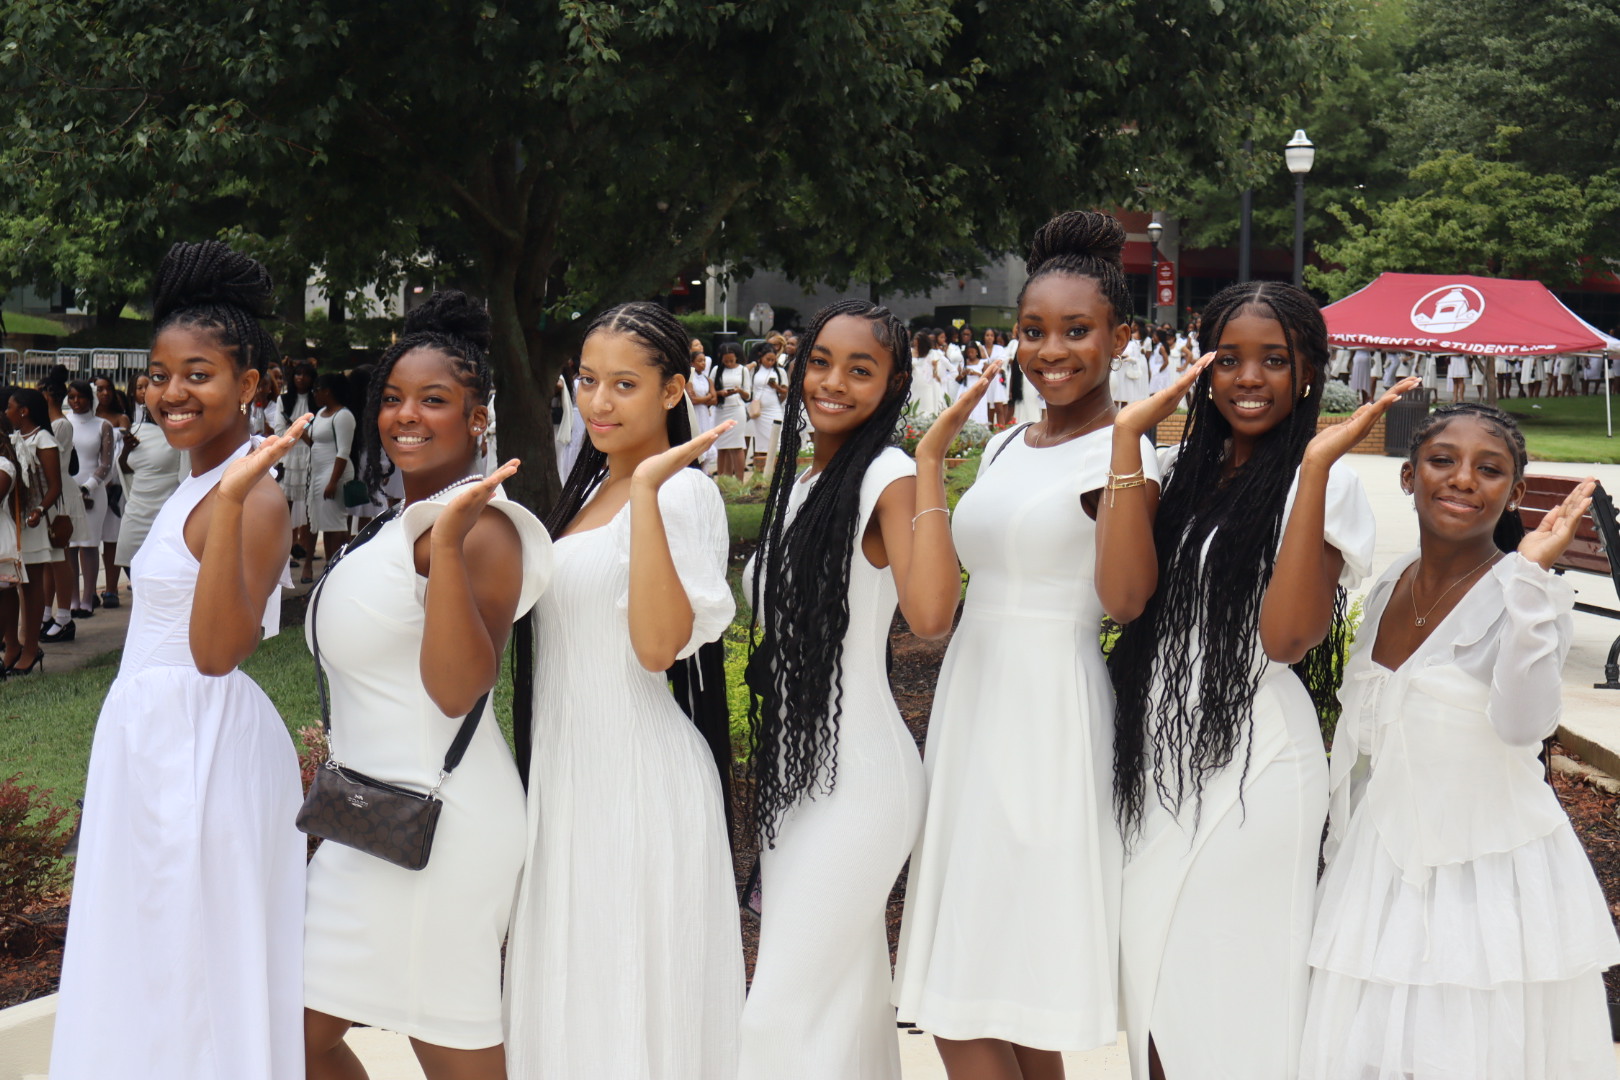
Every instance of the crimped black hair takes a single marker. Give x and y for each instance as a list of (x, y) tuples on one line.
[(452, 323), (1083, 243), (800, 589), (698, 682), (209, 286), (1204, 617), (1510, 526)]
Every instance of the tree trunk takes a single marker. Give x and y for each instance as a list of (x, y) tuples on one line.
[(290, 305), (525, 371)]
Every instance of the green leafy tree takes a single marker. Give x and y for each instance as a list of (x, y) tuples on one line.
[(575, 153), (1473, 215)]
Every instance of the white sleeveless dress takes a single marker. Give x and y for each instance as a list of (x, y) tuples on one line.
[(625, 957), (1218, 898), (1011, 924), (185, 937), (819, 1006), (414, 951)]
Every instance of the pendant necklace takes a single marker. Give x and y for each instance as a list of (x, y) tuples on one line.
[(1423, 619)]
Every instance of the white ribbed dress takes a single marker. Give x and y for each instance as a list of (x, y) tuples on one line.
[(819, 1006)]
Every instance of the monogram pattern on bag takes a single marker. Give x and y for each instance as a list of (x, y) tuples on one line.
[(352, 809)]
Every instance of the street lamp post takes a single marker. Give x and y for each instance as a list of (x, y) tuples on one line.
[(1300, 154), (1155, 230)]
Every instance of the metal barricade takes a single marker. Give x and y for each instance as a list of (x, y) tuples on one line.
[(77, 362), (10, 366), (36, 364)]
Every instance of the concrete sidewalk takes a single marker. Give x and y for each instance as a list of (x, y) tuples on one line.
[(1590, 725)]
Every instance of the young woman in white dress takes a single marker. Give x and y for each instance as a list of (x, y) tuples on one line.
[(733, 390), (625, 956), (412, 625), (1231, 593), (838, 781), (1008, 948), (927, 389), (1131, 376), (1460, 930), (94, 441), (41, 472), (995, 351), (770, 384), (184, 945), (330, 437), (113, 407), (974, 365), (61, 575), (297, 399)]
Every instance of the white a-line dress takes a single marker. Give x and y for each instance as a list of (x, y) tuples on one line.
[(414, 951), (1218, 898), (927, 392), (72, 501), (1012, 902), (330, 438), (186, 932), (1460, 933), (732, 407), (770, 390), (818, 1008), (625, 958)]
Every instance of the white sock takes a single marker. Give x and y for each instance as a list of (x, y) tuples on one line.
[(63, 617)]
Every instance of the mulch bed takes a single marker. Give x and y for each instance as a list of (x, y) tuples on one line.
[(31, 950)]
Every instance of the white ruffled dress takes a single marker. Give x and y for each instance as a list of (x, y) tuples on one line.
[(1460, 931)]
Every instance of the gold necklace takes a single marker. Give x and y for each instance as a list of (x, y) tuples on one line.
[(1078, 431), (1423, 619)]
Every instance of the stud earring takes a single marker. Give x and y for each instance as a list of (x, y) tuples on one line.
[(1513, 507)]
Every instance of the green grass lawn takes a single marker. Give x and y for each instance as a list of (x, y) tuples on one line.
[(18, 323), (1566, 429)]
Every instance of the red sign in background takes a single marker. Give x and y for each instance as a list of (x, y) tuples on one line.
[(1164, 284)]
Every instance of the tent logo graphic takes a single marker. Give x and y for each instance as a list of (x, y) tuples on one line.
[(1448, 309)]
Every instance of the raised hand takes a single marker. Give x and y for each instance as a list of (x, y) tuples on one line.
[(1140, 417), (248, 470), (461, 512), (948, 424), (660, 467), (1547, 541), (1332, 443)]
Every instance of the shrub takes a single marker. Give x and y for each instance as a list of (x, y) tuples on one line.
[(312, 752), (31, 839), (1339, 398)]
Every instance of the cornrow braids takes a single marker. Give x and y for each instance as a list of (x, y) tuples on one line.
[(1196, 638), (800, 589), (699, 684), (450, 323), (289, 397), (211, 287), (1510, 526), (1082, 243)]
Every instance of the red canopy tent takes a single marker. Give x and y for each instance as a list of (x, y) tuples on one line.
[(1457, 313)]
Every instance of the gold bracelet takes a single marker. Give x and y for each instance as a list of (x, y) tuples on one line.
[(1122, 484), (930, 510), (1113, 476)]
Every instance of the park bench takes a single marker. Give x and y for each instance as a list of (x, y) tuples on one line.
[(1595, 550)]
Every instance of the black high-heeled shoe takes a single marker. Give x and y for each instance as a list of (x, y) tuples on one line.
[(36, 668)]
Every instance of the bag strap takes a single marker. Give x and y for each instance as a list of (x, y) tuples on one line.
[(463, 739), (1016, 432)]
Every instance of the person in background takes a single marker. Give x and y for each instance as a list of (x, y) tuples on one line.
[(41, 473), (113, 407)]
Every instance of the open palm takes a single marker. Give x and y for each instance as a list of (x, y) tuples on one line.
[(1547, 541), (246, 472)]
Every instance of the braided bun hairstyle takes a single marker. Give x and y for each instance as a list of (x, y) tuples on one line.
[(1083, 243), (209, 286), (452, 323)]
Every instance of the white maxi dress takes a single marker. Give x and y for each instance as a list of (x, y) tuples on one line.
[(1460, 932), (1218, 898), (1012, 903), (414, 951), (819, 1005), (625, 957), (185, 938)]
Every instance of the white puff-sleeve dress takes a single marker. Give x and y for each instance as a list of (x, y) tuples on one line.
[(1460, 931), (185, 936), (1011, 925), (1218, 897), (818, 1008), (414, 951), (625, 959)]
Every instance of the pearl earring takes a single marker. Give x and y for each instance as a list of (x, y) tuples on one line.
[(244, 408)]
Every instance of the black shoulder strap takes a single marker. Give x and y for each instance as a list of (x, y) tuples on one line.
[(1017, 432), (463, 739)]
